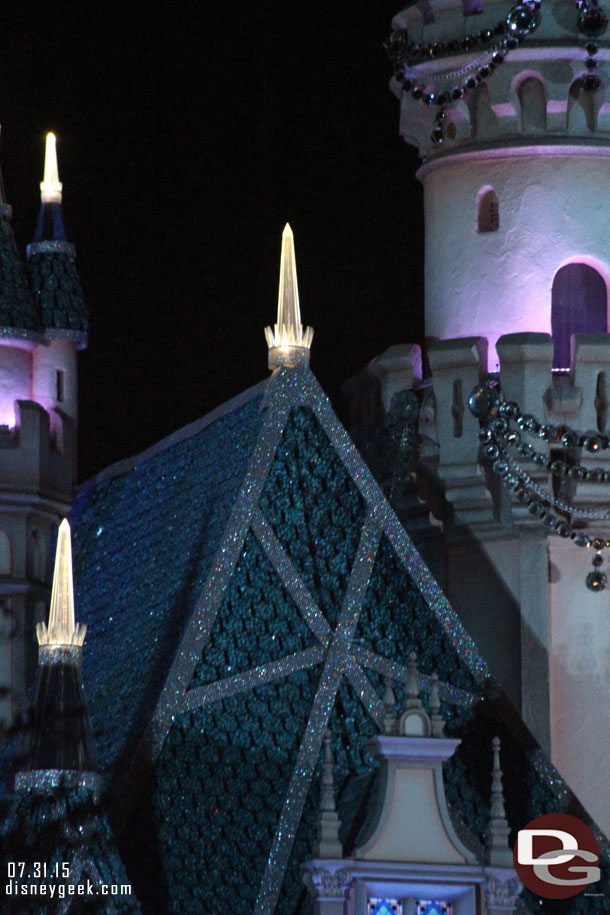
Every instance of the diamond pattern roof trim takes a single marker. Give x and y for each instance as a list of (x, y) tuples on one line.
[(291, 388)]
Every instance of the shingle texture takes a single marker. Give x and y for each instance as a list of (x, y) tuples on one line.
[(144, 541), (65, 828), (206, 822), (56, 288), (17, 306)]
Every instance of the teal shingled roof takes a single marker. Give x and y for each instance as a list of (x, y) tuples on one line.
[(254, 567), (67, 830), (18, 308), (54, 280), (56, 287), (145, 535)]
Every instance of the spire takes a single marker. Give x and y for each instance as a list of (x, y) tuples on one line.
[(500, 854), (62, 630), (50, 186), (328, 844), (54, 280), (61, 737), (288, 343), (414, 721), (390, 722), (434, 706)]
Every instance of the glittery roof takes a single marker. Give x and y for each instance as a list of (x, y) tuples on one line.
[(54, 280), (56, 287), (18, 308), (145, 534), (245, 584), (69, 833)]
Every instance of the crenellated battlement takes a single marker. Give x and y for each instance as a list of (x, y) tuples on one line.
[(536, 92), (577, 399), (33, 458), (448, 433)]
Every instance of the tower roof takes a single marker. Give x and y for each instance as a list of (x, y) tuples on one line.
[(19, 315), (54, 280), (61, 738)]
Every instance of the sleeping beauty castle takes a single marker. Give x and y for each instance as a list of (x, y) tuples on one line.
[(283, 667)]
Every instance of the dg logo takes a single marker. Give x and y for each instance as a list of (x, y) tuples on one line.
[(557, 856)]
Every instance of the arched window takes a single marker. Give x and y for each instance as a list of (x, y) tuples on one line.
[(579, 306), (488, 211)]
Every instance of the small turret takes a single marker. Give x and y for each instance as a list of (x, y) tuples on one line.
[(61, 740), (54, 281), (328, 844), (56, 813), (500, 854), (288, 342)]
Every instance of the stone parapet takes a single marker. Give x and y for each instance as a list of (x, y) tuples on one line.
[(534, 94)]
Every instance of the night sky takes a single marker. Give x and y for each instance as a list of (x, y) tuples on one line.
[(187, 136)]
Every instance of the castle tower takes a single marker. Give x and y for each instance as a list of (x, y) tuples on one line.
[(58, 782), (509, 110), (515, 138), (43, 322)]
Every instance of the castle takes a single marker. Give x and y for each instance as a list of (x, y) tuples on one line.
[(264, 636)]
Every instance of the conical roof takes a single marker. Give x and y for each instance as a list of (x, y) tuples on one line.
[(61, 738), (19, 314), (53, 278)]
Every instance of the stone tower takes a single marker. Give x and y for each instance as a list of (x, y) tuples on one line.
[(509, 110), (43, 323)]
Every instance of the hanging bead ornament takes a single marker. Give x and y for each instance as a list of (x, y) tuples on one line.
[(597, 580), (592, 21), (523, 19), (497, 435)]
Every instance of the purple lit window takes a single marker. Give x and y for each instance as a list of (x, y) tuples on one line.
[(579, 306)]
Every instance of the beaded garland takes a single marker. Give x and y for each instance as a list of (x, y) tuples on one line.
[(502, 425), (494, 44)]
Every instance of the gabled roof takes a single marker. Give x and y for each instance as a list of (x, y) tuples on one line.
[(244, 584)]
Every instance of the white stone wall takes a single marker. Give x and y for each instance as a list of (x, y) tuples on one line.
[(579, 665), (553, 210), (15, 375)]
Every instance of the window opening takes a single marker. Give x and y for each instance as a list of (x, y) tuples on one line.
[(579, 306), (488, 219)]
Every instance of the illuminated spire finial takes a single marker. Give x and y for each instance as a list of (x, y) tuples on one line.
[(62, 630), (288, 343), (50, 187)]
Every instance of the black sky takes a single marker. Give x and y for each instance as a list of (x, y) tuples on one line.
[(187, 136)]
